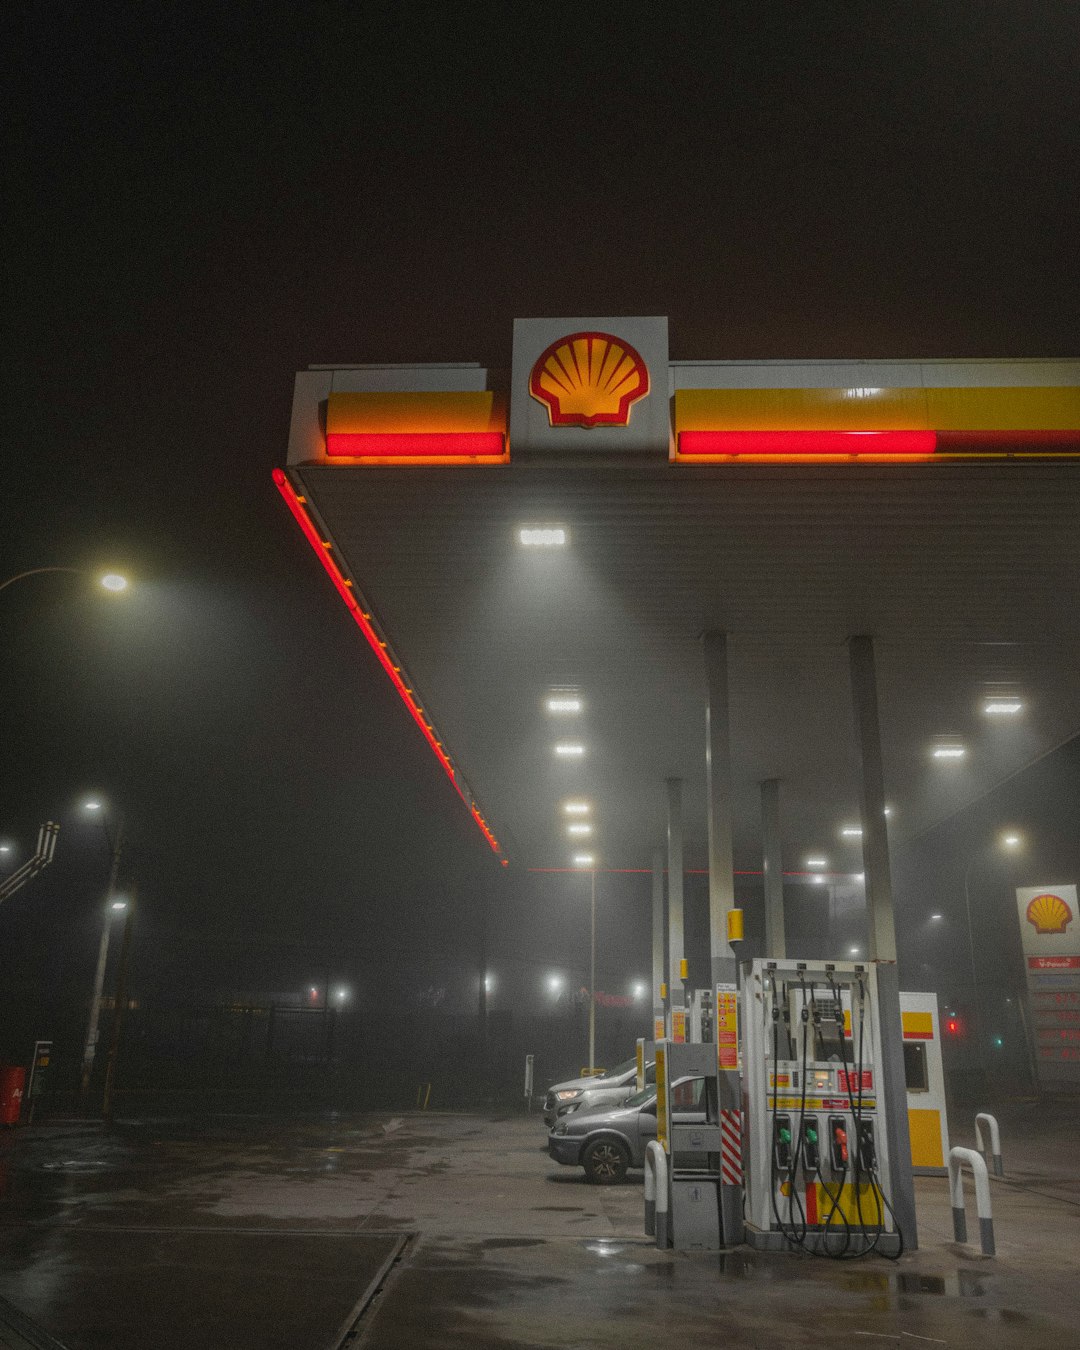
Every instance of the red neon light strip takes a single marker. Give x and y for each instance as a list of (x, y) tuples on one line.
[(1002, 441), (322, 550), (687, 871), (849, 444), (415, 444)]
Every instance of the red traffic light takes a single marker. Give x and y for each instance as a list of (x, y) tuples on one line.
[(954, 1026)]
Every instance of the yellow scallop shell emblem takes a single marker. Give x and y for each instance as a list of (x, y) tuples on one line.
[(589, 380), (1049, 913)]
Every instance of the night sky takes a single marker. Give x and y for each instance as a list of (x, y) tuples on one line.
[(205, 199)]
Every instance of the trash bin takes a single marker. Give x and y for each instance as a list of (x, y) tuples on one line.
[(12, 1081)]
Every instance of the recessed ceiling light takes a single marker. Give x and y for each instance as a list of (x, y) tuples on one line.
[(817, 862), (852, 831), (888, 810), (577, 808), (818, 879), (860, 876), (1011, 840), (949, 752), (543, 536), (853, 951), (995, 706), (583, 860), (579, 829), (563, 703), (569, 749), (936, 916)]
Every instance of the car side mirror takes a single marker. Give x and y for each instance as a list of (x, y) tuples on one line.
[(649, 1110)]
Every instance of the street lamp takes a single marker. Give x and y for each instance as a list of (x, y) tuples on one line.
[(109, 581), (113, 905), (1010, 840)]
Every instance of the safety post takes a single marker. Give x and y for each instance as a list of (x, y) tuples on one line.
[(995, 1141), (957, 1158), (656, 1193)]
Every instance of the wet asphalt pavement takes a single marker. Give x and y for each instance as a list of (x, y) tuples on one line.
[(458, 1231)]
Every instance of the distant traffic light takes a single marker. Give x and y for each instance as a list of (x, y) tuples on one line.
[(954, 1025)]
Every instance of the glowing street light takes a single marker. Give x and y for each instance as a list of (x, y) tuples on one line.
[(109, 581), (555, 984)]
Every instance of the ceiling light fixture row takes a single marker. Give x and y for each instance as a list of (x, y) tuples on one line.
[(562, 702)]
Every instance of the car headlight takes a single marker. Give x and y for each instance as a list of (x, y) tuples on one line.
[(568, 1094), (560, 1128)]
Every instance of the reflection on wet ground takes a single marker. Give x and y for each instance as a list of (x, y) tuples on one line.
[(253, 1233)]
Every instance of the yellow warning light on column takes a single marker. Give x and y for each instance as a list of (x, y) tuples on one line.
[(734, 925), (684, 969), (663, 991)]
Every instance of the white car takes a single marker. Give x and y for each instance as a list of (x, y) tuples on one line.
[(578, 1094)]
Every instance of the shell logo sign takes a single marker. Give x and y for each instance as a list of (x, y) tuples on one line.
[(1048, 913), (589, 380)]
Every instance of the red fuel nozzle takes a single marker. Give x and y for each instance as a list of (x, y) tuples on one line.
[(840, 1135)]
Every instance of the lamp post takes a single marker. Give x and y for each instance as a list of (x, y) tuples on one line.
[(112, 907), (1010, 841), (592, 972), (110, 581), (119, 1008)]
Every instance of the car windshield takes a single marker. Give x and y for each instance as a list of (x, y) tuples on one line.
[(642, 1098), (620, 1069)]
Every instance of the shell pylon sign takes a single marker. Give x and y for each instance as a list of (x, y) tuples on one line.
[(589, 380), (1049, 913)]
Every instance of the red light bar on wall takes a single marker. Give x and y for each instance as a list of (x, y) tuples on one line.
[(799, 444), (322, 548), (904, 424), (417, 428)]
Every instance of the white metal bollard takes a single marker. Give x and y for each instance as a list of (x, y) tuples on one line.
[(656, 1193), (995, 1141), (957, 1158)]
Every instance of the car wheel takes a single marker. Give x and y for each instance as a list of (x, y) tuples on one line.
[(605, 1162)]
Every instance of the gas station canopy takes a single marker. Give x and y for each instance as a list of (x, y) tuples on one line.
[(535, 567)]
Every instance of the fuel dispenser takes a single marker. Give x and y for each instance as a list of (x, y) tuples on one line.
[(688, 1130), (814, 1111)]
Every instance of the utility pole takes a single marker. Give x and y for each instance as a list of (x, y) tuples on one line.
[(116, 846)]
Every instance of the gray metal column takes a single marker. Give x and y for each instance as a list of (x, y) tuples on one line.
[(718, 776), (721, 884), (772, 868), (658, 976), (676, 934), (875, 839), (882, 929)]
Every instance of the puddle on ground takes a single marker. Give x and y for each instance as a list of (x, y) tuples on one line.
[(495, 1243), (767, 1267), (76, 1165)]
